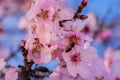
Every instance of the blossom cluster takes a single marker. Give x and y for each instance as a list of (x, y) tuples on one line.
[(58, 33), (10, 7)]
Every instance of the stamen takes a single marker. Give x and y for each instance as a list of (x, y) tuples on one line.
[(75, 58), (102, 78), (43, 14)]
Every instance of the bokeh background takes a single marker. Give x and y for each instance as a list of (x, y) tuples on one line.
[(106, 16)]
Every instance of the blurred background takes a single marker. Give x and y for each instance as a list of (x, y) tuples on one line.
[(103, 24)]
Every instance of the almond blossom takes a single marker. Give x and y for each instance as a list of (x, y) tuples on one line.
[(105, 34), (37, 52), (11, 74), (78, 61), (74, 38), (55, 32), (61, 73), (91, 24)]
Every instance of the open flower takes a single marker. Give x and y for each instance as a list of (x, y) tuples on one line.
[(60, 73), (37, 52), (43, 55), (79, 59), (42, 9), (74, 38)]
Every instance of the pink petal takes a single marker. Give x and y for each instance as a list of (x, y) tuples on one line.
[(98, 68), (89, 55), (88, 38), (115, 70), (45, 55), (116, 55), (2, 63), (83, 71), (11, 74), (66, 57), (78, 25), (72, 70)]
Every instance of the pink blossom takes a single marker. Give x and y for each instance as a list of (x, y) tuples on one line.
[(75, 38), (98, 70), (44, 32), (56, 53), (91, 25), (91, 21), (2, 63), (22, 23), (111, 56), (108, 57), (41, 56), (4, 52), (61, 73), (105, 34), (8, 7), (59, 4), (78, 60), (37, 52), (11, 74), (66, 13), (72, 38), (114, 71), (39, 7), (60, 76), (68, 42), (78, 25)]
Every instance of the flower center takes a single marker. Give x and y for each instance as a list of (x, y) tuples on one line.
[(75, 58), (102, 78), (117, 78), (74, 39), (86, 29), (37, 45), (55, 52), (43, 14), (56, 15)]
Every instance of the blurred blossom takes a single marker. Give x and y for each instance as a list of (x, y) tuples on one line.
[(10, 7), (2, 63), (91, 24), (22, 23), (11, 74), (114, 71), (111, 56), (4, 52), (58, 41), (105, 34), (98, 70)]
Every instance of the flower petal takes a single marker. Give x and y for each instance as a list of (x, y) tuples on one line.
[(84, 71), (72, 70)]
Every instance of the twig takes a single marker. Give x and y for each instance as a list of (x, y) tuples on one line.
[(77, 15)]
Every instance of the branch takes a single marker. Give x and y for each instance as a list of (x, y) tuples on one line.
[(78, 14)]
